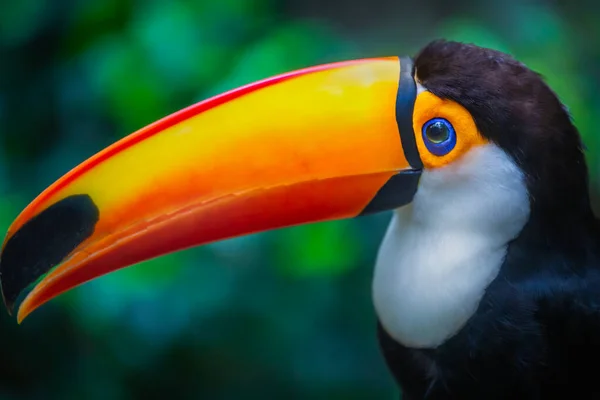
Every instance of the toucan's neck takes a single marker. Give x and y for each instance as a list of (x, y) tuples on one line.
[(550, 153), (442, 251), (562, 234), (560, 209), (553, 226), (564, 240)]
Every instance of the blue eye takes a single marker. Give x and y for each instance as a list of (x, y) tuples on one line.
[(439, 136)]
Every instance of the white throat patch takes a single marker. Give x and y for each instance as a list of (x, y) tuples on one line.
[(442, 251)]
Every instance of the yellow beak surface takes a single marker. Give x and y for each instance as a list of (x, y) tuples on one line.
[(311, 145)]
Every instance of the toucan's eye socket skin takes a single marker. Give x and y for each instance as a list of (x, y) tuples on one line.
[(444, 130), (439, 136)]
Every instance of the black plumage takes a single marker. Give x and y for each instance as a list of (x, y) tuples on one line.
[(536, 332)]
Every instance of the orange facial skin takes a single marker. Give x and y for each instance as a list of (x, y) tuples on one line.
[(429, 106)]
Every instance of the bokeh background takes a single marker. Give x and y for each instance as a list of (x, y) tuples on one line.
[(283, 314)]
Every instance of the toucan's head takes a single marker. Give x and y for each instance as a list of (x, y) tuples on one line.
[(515, 110), (334, 141)]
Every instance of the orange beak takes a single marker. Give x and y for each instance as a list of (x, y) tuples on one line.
[(323, 143)]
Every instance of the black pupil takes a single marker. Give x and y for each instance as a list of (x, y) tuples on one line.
[(438, 132)]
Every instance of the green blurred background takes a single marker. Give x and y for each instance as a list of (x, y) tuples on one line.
[(284, 314)]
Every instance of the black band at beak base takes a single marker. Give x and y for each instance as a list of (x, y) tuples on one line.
[(405, 105), (400, 189)]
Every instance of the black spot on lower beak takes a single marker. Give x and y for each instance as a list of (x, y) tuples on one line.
[(43, 242)]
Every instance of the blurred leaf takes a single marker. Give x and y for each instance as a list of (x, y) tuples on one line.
[(537, 28), (291, 46), (327, 248), (95, 12), (185, 47), (150, 275), (19, 20), (10, 206), (92, 19), (131, 86), (147, 279), (472, 31), (251, 11)]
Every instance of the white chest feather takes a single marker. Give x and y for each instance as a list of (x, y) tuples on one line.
[(442, 251)]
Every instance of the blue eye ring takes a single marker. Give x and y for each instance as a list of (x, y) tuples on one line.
[(439, 136)]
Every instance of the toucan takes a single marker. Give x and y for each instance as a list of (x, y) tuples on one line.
[(487, 283)]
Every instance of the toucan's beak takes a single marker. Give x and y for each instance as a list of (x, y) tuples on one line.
[(323, 143)]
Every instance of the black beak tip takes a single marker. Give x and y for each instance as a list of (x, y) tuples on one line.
[(43, 242)]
